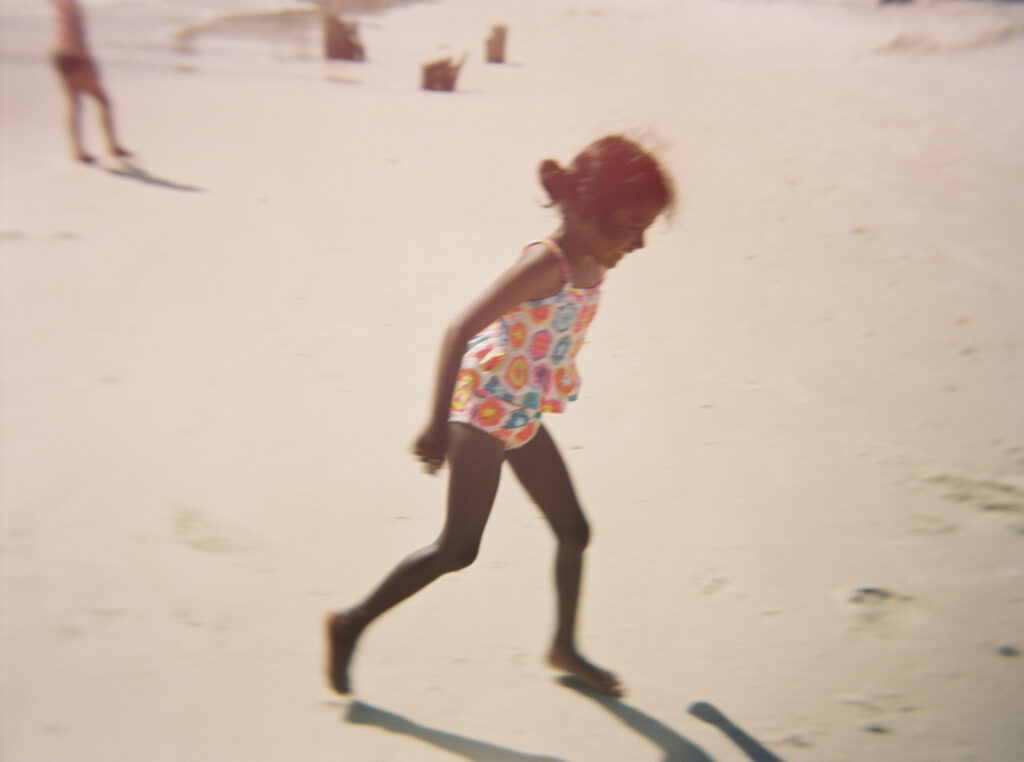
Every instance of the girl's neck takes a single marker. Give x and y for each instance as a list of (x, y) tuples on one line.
[(573, 245), (585, 269)]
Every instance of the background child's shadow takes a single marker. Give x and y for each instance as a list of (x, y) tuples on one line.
[(469, 748), (132, 171)]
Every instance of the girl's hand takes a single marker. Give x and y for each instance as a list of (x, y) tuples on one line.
[(431, 446)]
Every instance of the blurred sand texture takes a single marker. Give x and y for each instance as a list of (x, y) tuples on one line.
[(800, 440)]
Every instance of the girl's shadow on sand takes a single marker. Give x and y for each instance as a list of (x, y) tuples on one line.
[(469, 748), (674, 747)]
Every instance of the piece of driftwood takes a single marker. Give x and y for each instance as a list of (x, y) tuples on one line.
[(442, 73), (341, 39), (494, 45)]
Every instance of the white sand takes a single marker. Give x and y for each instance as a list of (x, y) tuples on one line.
[(809, 384)]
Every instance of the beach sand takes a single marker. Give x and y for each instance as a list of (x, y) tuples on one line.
[(800, 439)]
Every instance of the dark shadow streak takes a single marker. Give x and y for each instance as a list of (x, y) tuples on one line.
[(704, 711), (676, 748), (468, 748), (133, 172)]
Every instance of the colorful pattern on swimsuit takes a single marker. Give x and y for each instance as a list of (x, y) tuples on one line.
[(524, 363)]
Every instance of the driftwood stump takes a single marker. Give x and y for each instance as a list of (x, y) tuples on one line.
[(341, 39), (442, 73), (494, 45)]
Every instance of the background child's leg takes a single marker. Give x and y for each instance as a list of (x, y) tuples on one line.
[(542, 472), (74, 120), (475, 460), (96, 90)]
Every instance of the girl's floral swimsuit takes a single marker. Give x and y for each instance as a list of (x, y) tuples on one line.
[(524, 363)]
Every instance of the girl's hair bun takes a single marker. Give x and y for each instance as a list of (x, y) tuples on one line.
[(607, 174), (555, 180)]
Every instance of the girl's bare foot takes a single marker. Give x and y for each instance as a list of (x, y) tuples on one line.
[(84, 157), (600, 680), (342, 632), (118, 151)]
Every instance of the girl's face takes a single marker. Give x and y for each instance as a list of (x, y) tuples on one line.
[(614, 235)]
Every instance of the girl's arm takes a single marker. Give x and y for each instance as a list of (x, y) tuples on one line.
[(535, 276)]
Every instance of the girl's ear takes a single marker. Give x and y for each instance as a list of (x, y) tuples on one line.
[(573, 217), (573, 221)]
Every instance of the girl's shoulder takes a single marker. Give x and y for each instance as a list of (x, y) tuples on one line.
[(584, 276), (546, 255)]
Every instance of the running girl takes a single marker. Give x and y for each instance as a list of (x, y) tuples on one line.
[(508, 359)]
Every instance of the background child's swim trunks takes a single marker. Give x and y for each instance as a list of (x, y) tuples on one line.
[(69, 64)]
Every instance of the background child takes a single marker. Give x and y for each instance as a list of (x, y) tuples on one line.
[(505, 361), (79, 74)]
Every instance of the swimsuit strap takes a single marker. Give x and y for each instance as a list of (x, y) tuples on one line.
[(563, 263)]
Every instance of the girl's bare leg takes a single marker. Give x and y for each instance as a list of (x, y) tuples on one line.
[(475, 460), (542, 472)]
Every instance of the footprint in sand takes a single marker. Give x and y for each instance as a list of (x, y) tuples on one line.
[(1001, 494), (874, 704), (921, 523), (195, 529), (709, 581), (923, 43), (881, 610), (883, 709), (12, 235), (983, 494)]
